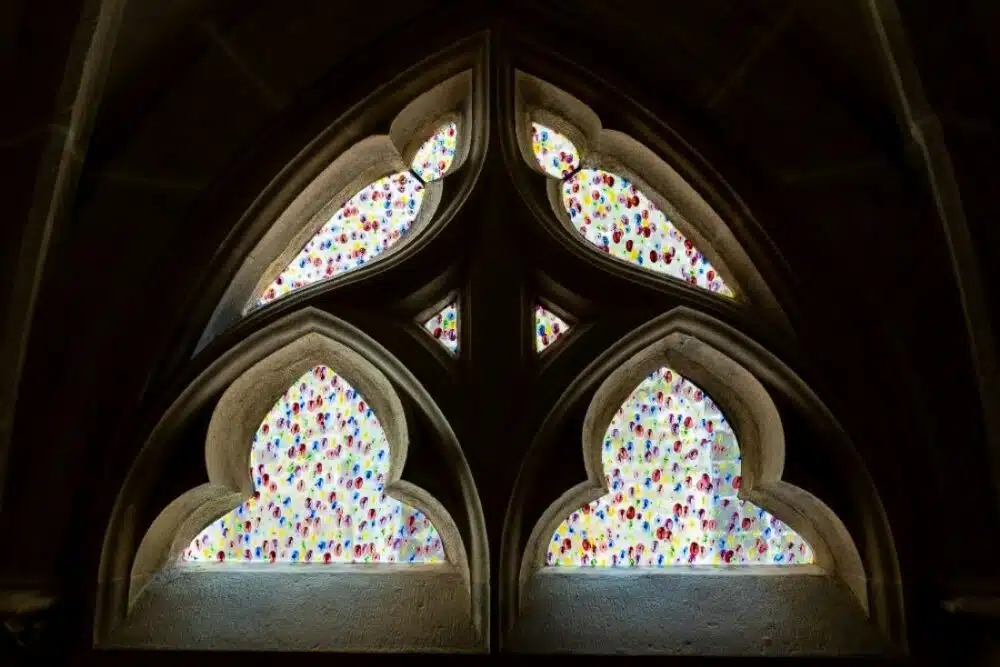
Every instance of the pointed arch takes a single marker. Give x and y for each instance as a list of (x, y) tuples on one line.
[(671, 467), (699, 233), (756, 421), (731, 368), (373, 197), (341, 163), (253, 374), (613, 165)]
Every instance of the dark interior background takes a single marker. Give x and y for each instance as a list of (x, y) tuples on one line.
[(205, 100)]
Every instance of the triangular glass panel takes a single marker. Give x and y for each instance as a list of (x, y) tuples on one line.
[(369, 223), (319, 464), (549, 327), (435, 156), (616, 218), (443, 326)]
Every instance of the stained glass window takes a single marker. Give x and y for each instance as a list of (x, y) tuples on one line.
[(370, 222), (436, 154), (443, 325), (549, 327), (613, 215), (672, 464), (319, 463), (555, 153)]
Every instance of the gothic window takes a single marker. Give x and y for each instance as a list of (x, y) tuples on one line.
[(375, 219), (319, 463), (369, 223), (683, 446), (683, 501), (671, 462), (611, 213), (309, 423), (427, 312)]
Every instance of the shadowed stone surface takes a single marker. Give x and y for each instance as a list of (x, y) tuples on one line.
[(650, 613), (318, 609)]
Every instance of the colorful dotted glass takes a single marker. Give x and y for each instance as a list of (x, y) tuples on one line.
[(368, 224), (319, 463), (672, 464), (444, 327), (555, 153), (618, 219), (548, 328), (436, 154)]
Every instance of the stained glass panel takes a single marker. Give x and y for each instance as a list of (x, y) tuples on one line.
[(673, 466), (555, 153), (614, 216), (444, 327), (368, 224), (319, 463), (549, 327), (435, 156)]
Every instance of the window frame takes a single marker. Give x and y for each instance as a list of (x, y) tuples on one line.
[(121, 584), (735, 328), (347, 298), (374, 138)]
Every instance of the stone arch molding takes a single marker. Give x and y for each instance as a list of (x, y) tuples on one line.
[(855, 574), (258, 374), (614, 151), (325, 175), (753, 416), (364, 162)]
